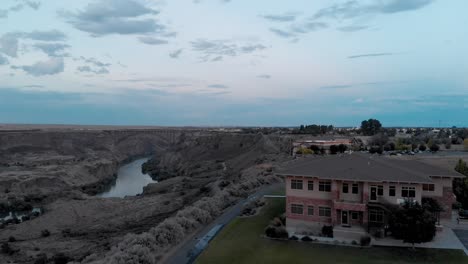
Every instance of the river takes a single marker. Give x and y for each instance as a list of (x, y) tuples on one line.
[(130, 180)]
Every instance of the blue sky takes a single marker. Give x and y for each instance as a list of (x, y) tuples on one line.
[(237, 62)]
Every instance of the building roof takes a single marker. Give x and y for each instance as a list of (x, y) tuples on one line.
[(368, 168)]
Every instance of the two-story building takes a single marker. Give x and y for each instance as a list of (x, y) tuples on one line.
[(354, 190)]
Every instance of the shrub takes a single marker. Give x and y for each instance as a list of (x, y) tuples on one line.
[(294, 238), (41, 259), (354, 242), (365, 240), (422, 147), (60, 258), (327, 231), (45, 233), (6, 249), (276, 232), (306, 239), (434, 147), (11, 239), (168, 232)]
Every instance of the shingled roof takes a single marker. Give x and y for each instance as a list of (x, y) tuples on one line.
[(368, 168)]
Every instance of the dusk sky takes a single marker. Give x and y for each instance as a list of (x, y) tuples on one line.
[(237, 62)]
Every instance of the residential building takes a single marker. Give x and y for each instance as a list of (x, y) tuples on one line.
[(354, 190)]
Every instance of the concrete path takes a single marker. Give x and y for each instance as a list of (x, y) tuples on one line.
[(182, 254)]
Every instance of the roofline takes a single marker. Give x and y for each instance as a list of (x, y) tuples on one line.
[(450, 176), (342, 179)]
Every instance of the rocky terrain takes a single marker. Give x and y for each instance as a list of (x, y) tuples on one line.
[(199, 173)]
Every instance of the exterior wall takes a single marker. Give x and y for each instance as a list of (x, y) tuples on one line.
[(386, 198), (298, 226), (443, 193), (316, 203), (350, 196), (316, 194)]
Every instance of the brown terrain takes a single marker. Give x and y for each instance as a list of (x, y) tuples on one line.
[(61, 169)]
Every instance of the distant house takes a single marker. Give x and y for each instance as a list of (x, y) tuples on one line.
[(353, 190)]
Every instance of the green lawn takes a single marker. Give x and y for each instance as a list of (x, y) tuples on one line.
[(241, 242)]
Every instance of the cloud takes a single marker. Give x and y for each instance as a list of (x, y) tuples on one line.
[(370, 55), (352, 28), (93, 66), (88, 69), (122, 17), (352, 9), (289, 17), (9, 45), (50, 35), (264, 76), (52, 49), (175, 54), (33, 4), (214, 50), (153, 41), (3, 13), (3, 60), (299, 28), (218, 86), (52, 66), (336, 86)]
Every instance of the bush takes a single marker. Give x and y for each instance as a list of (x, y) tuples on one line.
[(60, 258), (306, 239), (11, 239), (434, 147), (6, 249), (365, 240), (354, 242), (294, 238), (45, 233), (276, 232), (327, 231), (41, 259), (422, 147)]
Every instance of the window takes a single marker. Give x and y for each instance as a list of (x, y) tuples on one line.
[(380, 190), (354, 215), (310, 210), (310, 185), (428, 187), (297, 209), (325, 211), (391, 191), (355, 188), (296, 184), (325, 186), (376, 216), (345, 188), (409, 192)]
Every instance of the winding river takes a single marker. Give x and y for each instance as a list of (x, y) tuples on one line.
[(130, 180)]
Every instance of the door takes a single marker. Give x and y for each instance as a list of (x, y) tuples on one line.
[(344, 218), (373, 193)]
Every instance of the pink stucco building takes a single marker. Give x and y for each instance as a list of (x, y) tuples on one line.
[(353, 190)]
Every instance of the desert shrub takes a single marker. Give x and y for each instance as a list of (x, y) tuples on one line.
[(41, 259), (195, 213), (186, 223), (45, 233), (60, 258), (327, 231), (306, 239), (365, 240), (6, 249), (168, 232), (133, 254)]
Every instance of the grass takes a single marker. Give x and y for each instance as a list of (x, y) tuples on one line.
[(241, 242)]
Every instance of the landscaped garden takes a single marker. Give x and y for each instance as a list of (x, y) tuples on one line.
[(242, 241)]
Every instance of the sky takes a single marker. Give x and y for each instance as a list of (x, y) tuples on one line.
[(234, 62)]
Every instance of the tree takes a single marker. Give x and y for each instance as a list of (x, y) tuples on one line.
[(434, 147), (465, 143), (333, 149), (413, 223), (315, 149), (370, 127), (422, 147), (342, 148), (379, 139), (460, 185)]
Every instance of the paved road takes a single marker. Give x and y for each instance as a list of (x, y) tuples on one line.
[(182, 254), (462, 235)]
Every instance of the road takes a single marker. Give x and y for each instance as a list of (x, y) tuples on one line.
[(181, 256)]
